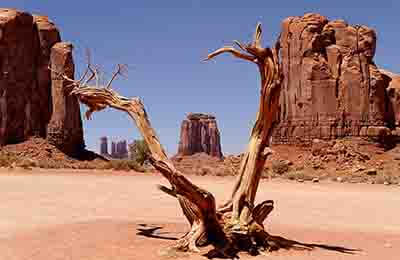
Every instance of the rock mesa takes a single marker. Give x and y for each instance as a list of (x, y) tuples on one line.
[(200, 134)]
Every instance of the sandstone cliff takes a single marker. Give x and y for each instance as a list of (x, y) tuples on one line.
[(331, 86), (199, 133), (28, 96), (393, 94), (65, 127)]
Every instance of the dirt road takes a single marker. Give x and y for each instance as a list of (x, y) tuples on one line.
[(95, 216)]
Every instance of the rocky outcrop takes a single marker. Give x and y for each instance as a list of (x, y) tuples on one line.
[(331, 86), (119, 149), (48, 36), (65, 127), (104, 146), (27, 102), (199, 133), (393, 94), (19, 45)]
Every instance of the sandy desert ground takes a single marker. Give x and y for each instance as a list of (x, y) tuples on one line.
[(96, 215)]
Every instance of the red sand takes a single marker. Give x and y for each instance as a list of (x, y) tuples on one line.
[(94, 215)]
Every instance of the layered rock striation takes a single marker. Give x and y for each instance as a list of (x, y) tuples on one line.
[(29, 97), (200, 134), (331, 86)]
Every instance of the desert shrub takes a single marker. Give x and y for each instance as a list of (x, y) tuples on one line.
[(104, 165), (204, 170), (297, 175), (279, 167), (49, 164), (223, 171), (85, 165), (7, 159), (139, 151), (27, 164), (208, 170), (291, 175), (385, 177), (125, 165)]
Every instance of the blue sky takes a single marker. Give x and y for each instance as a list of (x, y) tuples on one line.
[(163, 43)]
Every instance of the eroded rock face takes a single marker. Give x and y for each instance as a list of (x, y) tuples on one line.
[(331, 86), (26, 98), (393, 94), (65, 127), (48, 36), (199, 133), (19, 45)]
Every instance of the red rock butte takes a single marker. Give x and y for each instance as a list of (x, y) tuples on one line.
[(332, 87), (200, 134), (32, 101)]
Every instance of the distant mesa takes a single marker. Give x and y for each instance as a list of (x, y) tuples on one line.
[(200, 134), (119, 149), (104, 146)]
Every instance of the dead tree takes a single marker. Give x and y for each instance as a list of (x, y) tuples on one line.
[(238, 224), (241, 203)]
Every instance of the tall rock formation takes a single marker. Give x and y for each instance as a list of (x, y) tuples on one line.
[(331, 86), (19, 46), (48, 36), (26, 96), (122, 149), (119, 149), (104, 145), (393, 94), (199, 133), (113, 149), (65, 127)]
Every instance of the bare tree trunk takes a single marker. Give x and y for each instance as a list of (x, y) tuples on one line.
[(238, 224), (242, 200)]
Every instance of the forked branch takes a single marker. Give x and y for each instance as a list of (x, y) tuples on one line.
[(91, 73), (119, 71), (234, 52)]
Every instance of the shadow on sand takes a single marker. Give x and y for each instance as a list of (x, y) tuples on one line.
[(276, 242), (152, 231), (293, 244)]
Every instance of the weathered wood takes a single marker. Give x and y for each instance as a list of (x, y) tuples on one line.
[(237, 225), (252, 164)]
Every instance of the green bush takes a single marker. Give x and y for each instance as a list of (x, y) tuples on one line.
[(139, 151)]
